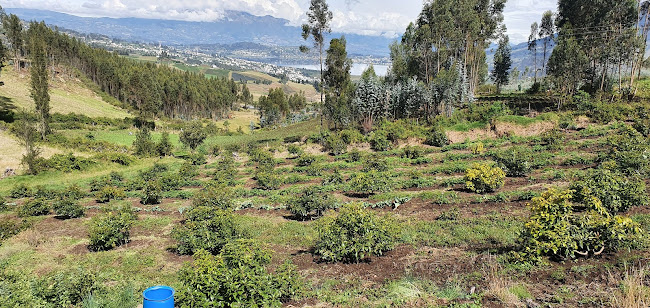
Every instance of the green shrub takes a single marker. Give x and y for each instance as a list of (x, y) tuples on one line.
[(481, 178), (8, 228), (477, 148), (334, 178), (216, 196), (66, 289), (207, 228), (118, 158), (436, 137), (67, 162), (368, 183), (268, 180), (411, 152), (374, 162), (109, 193), (335, 145), (305, 160), (616, 192), (553, 139), (41, 191), (556, 229), (379, 141), (295, 150), (143, 144), (354, 155), (21, 191), (73, 192), (68, 208), (237, 278), (187, 171), (152, 193), (196, 159), (164, 146), (311, 203), (34, 207), (630, 150), (110, 230), (193, 135), (351, 136), (642, 126), (515, 161), (355, 234)]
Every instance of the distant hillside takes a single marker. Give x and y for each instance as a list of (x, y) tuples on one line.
[(236, 27)]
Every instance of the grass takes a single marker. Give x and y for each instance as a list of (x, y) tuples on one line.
[(519, 120), (467, 126), (66, 96)]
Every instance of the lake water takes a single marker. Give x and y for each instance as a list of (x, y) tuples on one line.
[(356, 70)]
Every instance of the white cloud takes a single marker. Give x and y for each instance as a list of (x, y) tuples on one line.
[(374, 17)]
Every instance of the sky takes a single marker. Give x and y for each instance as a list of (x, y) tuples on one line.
[(370, 17)]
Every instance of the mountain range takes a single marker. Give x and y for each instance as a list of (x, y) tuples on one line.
[(234, 27)]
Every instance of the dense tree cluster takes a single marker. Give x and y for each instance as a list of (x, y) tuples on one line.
[(150, 89)]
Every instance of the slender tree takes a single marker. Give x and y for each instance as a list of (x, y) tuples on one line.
[(546, 33), (338, 85), (39, 76), (502, 63), (27, 137), (319, 17), (532, 44), (14, 31)]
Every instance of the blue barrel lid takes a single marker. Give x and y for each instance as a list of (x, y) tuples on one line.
[(158, 291)]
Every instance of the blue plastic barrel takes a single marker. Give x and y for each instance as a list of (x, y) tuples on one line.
[(158, 297)]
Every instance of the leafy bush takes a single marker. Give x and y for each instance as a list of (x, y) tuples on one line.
[(66, 289), (553, 139), (109, 193), (557, 230), (374, 162), (351, 136), (334, 178), (295, 149), (380, 142), (371, 182), (118, 158), (311, 203), (68, 208), (216, 196), (477, 148), (41, 191), (268, 180), (616, 192), (73, 192), (152, 193), (436, 137), (34, 207), (630, 150), (207, 228), (481, 178), (110, 230), (335, 145), (193, 135), (354, 155), (164, 146), (21, 191), (305, 160), (515, 161), (143, 144), (355, 234), (237, 278), (412, 152), (67, 162)]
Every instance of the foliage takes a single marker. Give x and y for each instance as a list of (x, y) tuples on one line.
[(335, 144), (193, 135), (110, 230), (553, 139), (295, 149), (477, 148), (614, 190), (143, 144), (339, 90), (311, 203), (68, 208), (515, 161), (379, 141), (207, 228), (268, 180), (27, 136), (67, 162), (555, 228), (502, 63), (236, 278), (630, 150), (482, 178), (152, 193), (412, 152), (38, 48), (355, 234), (67, 288), (108, 193), (164, 146), (34, 207), (436, 137), (305, 160), (374, 162), (273, 108), (216, 196), (21, 190), (371, 182)]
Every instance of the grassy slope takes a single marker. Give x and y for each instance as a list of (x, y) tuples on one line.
[(66, 96)]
